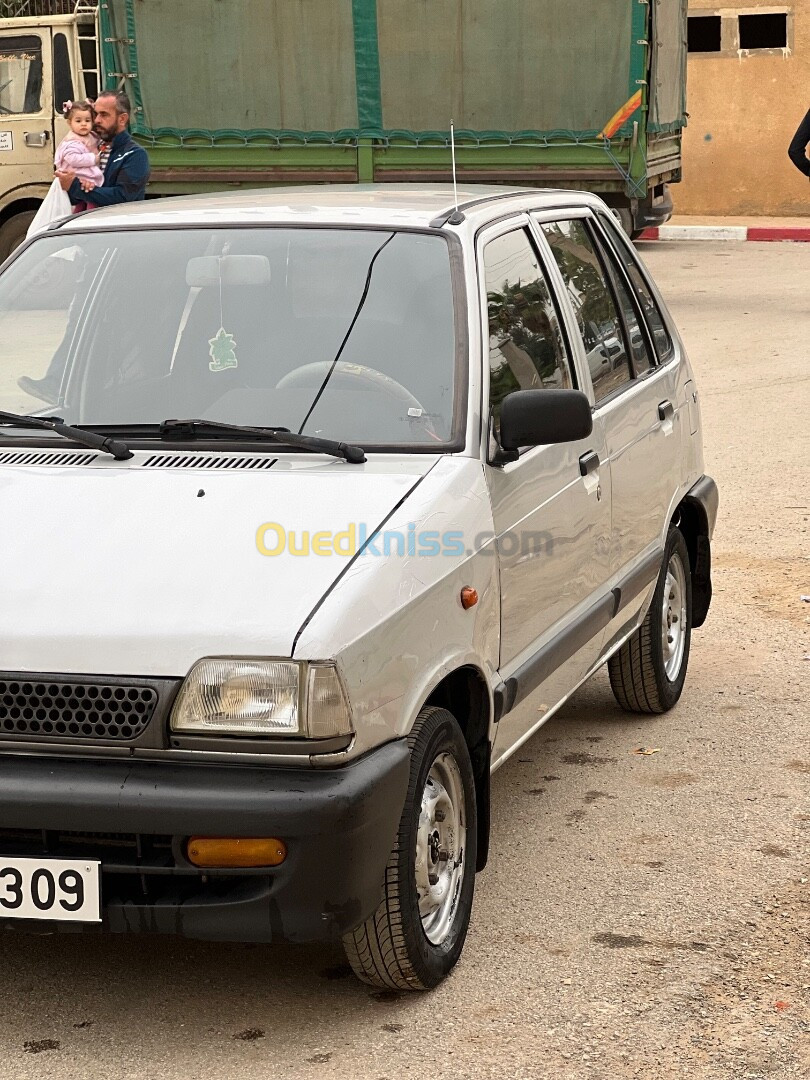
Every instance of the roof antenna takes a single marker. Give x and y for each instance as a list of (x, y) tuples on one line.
[(456, 217), (453, 157)]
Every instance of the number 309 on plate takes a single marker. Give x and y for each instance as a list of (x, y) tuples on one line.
[(55, 889)]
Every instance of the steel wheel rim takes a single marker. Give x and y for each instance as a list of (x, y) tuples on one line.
[(440, 848), (673, 618)]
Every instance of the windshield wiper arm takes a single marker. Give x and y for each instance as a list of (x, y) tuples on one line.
[(119, 450), (190, 429)]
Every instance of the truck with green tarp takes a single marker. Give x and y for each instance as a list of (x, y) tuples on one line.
[(247, 93)]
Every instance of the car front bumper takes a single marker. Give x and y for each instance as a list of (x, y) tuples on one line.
[(338, 824)]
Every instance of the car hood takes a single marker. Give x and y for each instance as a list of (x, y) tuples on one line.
[(120, 569)]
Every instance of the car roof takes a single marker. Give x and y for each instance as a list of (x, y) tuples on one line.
[(400, 206)]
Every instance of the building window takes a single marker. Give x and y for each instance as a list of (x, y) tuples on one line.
[(767, 31), (703, 33), (739, 33)]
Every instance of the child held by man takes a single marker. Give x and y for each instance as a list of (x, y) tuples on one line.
[(80, 152)]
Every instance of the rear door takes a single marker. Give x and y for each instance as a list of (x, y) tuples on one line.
[(26, 107)]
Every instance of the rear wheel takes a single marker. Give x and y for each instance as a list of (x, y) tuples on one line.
[(417, 933), (648, 672), (624, 218)]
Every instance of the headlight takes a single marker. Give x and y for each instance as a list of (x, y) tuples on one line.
[(262, 697)]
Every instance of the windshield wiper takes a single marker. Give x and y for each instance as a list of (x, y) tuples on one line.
[(119, 450), (191, 429)]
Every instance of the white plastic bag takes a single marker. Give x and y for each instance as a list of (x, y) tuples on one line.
[(55, 205)]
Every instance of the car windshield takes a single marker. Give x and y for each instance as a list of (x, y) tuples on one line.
[(347, 334)]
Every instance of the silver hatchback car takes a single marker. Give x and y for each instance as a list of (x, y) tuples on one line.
[(320, 503)]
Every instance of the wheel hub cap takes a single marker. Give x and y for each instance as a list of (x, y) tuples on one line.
[(673, 622), (440, 844)]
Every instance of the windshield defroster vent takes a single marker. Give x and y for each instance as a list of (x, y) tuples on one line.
[(45, 457), (207, 461)]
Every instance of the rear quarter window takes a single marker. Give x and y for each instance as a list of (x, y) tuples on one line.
[(649, 307)]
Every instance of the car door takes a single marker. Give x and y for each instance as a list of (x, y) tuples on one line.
[(636, 401), (26, 107), (551, 506)]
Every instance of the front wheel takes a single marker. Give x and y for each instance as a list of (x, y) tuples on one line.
[(648, 672), (417, 933)]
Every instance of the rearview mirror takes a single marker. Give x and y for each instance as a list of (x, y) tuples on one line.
[(534, 417), (209, 270)]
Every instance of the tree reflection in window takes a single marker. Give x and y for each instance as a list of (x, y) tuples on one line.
[(526, 348), (592, 301)]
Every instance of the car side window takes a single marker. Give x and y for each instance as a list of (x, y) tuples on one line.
[(591, 297), (527, 349), (640, 351), (650, 309)]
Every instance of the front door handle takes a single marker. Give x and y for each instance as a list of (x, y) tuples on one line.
[(37, 138), (666, 411), (588, 463)]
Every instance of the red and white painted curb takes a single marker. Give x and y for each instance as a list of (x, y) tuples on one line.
[(770, 233)]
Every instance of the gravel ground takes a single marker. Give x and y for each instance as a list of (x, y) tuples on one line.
[(641, 916)]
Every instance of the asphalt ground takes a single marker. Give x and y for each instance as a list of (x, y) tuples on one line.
[(642, 915)]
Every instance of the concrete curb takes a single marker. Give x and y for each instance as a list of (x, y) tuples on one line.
[(761, 233)]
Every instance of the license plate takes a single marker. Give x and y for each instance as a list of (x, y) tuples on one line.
[(57, 889)]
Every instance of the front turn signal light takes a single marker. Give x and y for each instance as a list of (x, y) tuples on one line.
[(221, 852)]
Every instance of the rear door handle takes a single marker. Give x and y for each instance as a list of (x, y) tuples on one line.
[(666, 411), (588, 463), (36, 138)]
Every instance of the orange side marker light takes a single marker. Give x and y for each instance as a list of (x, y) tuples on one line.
[(226, 851)]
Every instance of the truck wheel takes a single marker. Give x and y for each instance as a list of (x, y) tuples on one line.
[(624, 218), (648, 672), (416, 935), (12, 233)]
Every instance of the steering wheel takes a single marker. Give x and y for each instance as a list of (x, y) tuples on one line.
[(311, 377)]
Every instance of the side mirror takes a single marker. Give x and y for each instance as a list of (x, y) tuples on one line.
[(535, 417)]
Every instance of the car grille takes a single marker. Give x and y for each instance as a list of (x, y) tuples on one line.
[(136, 868), (80, 709), (117, 852)]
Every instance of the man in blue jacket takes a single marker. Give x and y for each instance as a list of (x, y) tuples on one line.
[(127, 170), (125, 176)]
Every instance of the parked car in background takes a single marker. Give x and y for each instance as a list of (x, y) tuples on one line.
[(307, 551)]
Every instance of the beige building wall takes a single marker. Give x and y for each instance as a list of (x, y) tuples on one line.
[(744, 109)]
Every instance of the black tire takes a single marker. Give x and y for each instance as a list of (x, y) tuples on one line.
[(636, 234), (625, 219), (391, 948), (638, 674), (12, 233)]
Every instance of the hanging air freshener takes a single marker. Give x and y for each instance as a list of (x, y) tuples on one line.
[(222, 346), (222, 351)]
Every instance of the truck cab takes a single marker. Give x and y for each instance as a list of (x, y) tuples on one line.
[(45, 60)]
